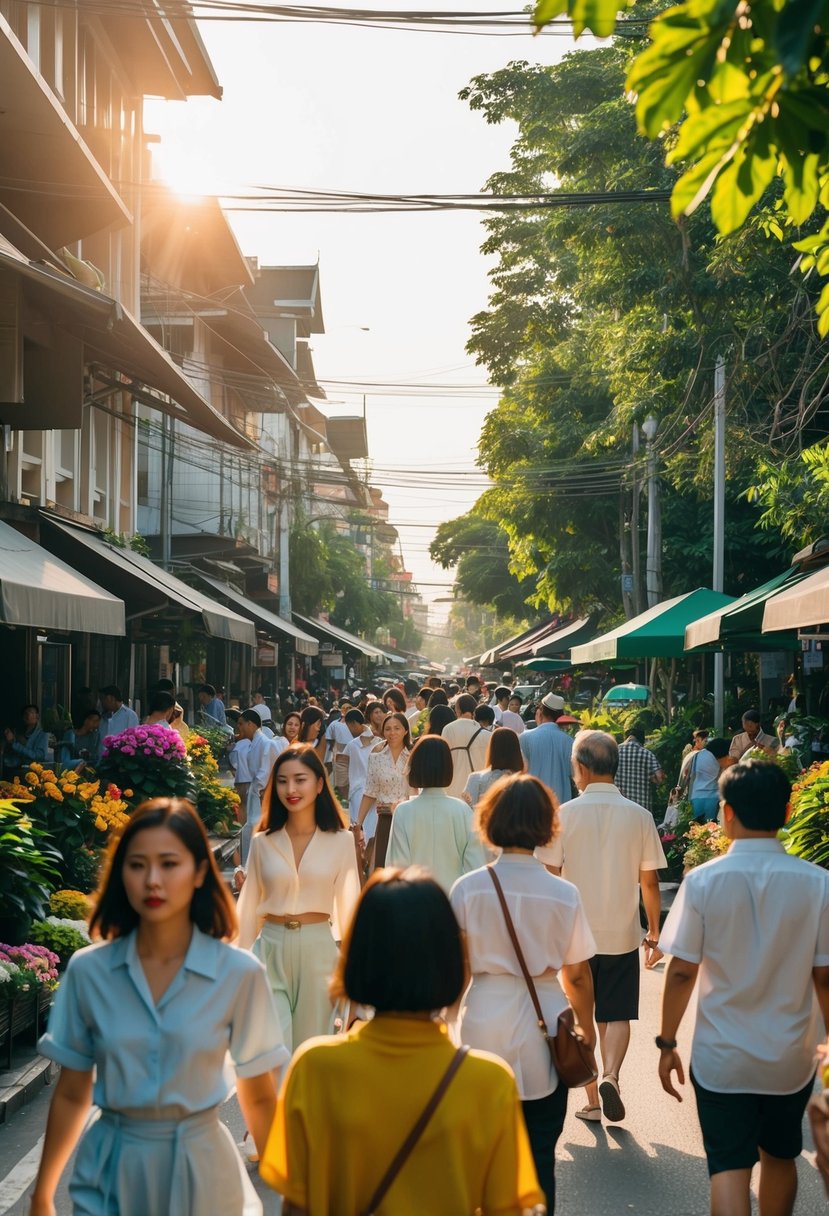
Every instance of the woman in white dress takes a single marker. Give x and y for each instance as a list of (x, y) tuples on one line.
[(503, 758), (387, 784), (142, 1026), (301, 888), (517, 816)]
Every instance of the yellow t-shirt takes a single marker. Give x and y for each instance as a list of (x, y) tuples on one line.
[(348, 1103)]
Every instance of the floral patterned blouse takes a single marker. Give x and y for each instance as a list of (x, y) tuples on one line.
[(386, 782)]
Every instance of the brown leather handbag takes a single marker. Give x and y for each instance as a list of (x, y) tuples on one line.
[(574, 1061)]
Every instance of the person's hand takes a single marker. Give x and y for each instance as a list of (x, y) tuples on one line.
[(669, 1062), (588, 1037), (652, 953)]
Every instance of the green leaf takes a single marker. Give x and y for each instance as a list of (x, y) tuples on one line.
[(596, 15), (546, 10), (795, 31), (741, 184), (699, 131), (694, 184), (800, 178)]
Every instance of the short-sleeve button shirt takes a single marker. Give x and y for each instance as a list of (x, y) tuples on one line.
[(150, 1056), (756, 921), (605, 840), (637, 765)]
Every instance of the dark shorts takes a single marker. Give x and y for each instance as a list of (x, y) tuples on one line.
[(736, 1126), (616, 986)]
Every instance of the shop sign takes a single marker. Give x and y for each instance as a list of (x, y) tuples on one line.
[(334, 659), (266, 654)]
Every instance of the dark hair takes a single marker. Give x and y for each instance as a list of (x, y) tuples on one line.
[(294, 713), (328, 813), (355, 715), (504, 751), (502, 693), (758, 792), (164, 685), (211, 908), (439, 717), (516, 696), (465, 704), (517, 812), (701, 732), (207, 689), (473, 680), (79, 718), (637, 733), (403, 952), (307, 718), (425, 693), (372, 705), (161, 701), (751, 715), (404, 722), (430, 764), (719, 748), (250, 715), (438, 697), (410, 687), (484, 714), (111, 690), (454, 689), (397, 699)]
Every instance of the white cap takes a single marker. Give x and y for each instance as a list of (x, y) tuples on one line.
[(552, 701)]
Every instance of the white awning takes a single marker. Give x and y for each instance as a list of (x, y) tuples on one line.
[(268, 621), (39, 590), (334, 634)]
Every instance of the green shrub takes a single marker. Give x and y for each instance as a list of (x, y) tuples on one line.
[(64, 940), (70, 905)]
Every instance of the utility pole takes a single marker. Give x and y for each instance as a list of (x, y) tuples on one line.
[(284, 558), (719, 528), (635, 554), (653, 569), (165, 496)]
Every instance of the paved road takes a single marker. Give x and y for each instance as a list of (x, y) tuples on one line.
[(649, 1165)]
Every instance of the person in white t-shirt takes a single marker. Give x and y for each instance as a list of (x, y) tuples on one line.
[(754, 926)]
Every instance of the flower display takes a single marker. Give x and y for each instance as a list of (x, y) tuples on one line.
[(806, 833), (149, 761), (201, 753), (69, 905), (705, 842), (27, 969)]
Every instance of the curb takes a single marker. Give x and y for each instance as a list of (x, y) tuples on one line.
[(22, 1084)]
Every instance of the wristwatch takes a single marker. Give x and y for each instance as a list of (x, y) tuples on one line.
[(665, 1044)]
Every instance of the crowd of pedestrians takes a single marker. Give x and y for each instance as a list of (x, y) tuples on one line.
[(422, 891)]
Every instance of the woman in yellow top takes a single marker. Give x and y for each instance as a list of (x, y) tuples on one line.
[(349, 1102)]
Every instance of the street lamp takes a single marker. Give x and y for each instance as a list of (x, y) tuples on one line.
[(653, 568)]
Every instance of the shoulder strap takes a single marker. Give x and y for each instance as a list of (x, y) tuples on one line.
[(417, 1131), (528, 979), (465, 747)]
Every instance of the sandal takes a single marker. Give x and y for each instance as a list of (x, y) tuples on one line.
[(589, 1114), (249, 1149), (612, 1104)]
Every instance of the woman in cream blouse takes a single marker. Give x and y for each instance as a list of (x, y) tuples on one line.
[(301, 889), (387, 783)]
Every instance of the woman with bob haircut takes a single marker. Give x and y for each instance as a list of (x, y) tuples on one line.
[(153, 1010), (348, 1102), (311, 730), (394, 701), (440, 716), (301, 887), (518, 815), (503, 758), (386, 785), (433, 829)]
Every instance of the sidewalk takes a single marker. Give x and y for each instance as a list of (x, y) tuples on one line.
[(28, 1076)]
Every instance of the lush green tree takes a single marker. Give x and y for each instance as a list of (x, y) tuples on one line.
[(738, 94), (478, 550)]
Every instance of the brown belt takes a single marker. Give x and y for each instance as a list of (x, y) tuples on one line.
[(302, 918)]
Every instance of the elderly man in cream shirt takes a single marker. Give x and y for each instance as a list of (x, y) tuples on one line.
[(609, 848)]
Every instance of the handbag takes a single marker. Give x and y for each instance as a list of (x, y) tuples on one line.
[(405, 1150), (574, 1061)]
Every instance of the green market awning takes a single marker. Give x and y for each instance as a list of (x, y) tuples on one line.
[(739, 626), (544, 665), (577, 633), (658, 632)]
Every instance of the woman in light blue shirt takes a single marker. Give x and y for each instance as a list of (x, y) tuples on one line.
[(156, 1009), (30, 745), (433, 829)]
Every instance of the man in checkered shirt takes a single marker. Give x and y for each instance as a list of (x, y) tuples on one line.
[(638, 770)]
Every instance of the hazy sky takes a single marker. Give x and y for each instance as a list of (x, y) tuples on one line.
[(321, 106)]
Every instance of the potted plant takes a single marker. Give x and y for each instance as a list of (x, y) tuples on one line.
[(29, 863), (806, 833), (28, 976), (705, 842), (150, 761)]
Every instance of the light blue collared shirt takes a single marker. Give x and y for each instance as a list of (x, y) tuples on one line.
[(173, 1054), (547, 752), (121, 719)]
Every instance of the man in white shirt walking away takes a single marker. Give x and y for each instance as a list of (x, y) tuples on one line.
[(468, 741), (609, 848), (754, 925)]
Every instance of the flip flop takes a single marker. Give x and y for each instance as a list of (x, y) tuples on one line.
[(590, 1114), (612, 1104)]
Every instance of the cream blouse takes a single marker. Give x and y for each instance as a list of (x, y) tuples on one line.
[(386, 782), (327, 880)]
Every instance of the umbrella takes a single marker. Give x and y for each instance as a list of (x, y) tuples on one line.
[(627, 692), (544, 665)]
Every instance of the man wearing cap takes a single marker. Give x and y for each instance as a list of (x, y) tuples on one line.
[(547, 749)]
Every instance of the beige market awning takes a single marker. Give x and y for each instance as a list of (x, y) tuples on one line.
[(39, 590), (268, 621), (805, 604)]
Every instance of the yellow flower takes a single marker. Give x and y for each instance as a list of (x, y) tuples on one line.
[(128, 793), (101, 823), (31, 778), (37, 768), (72, 776)]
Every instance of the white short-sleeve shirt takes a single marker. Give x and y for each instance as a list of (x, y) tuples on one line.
[(756, 921), (605, 840), (550, 924)]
